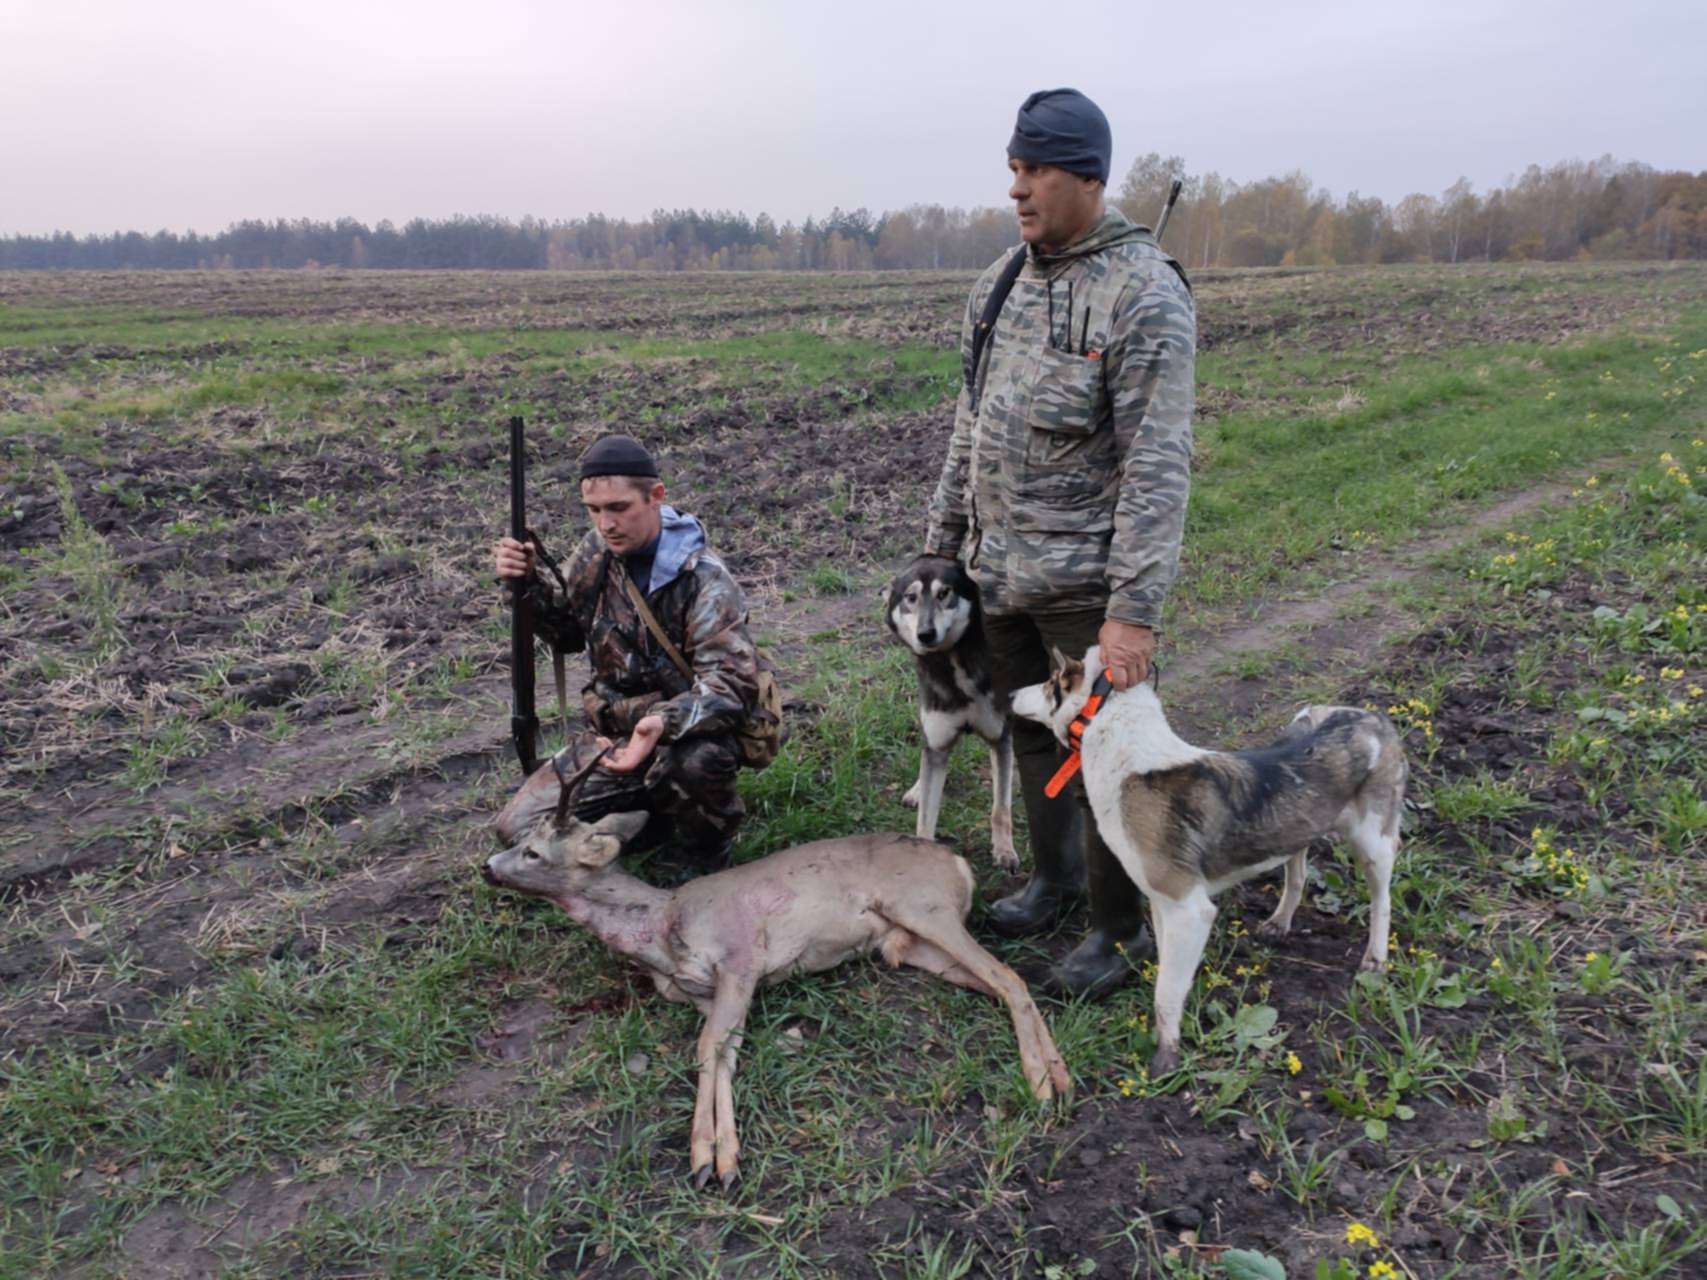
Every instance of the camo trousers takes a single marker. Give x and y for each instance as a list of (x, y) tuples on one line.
[(688, 785)]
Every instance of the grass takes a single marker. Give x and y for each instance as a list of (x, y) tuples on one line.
[(1542, 1012)]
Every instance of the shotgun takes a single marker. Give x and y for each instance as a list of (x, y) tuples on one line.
[(524, 724)]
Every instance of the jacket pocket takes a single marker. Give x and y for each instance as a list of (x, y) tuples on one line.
[(1069, 407)]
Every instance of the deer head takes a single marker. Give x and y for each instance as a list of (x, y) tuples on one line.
[(562, 854)]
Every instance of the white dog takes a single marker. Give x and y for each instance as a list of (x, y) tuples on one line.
[(1187, 822)]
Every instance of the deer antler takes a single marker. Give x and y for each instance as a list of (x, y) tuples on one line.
[(569, 786)]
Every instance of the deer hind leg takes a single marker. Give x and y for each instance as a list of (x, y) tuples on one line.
[(969, 965), (901, 947), (1002, 800), (714, 1141)]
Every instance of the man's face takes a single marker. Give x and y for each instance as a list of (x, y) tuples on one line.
[(1055, 207), (626, 515)]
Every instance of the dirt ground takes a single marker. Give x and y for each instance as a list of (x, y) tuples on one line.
[(302, 669)]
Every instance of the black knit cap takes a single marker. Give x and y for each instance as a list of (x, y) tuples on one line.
[(617, 456), (1064, 128)]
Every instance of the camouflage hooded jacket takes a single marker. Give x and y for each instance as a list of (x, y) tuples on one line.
[(1069, 466), (701, 610)]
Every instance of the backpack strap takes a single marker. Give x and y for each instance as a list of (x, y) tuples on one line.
[(987, 319), (657, 629)]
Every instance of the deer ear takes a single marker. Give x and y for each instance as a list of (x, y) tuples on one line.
[(623, 826), (596, 849)]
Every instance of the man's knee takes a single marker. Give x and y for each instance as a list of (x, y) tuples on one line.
[(705, 762)]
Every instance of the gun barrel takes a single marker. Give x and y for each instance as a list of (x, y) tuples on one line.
[(1168, 208), (524, 724)]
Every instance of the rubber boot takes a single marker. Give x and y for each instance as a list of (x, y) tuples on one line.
[(1057, 883), (1109, 955)]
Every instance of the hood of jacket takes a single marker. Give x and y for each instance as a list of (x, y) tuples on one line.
[(680, 540)]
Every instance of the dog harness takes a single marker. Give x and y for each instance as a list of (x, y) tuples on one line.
[(1076, 734)]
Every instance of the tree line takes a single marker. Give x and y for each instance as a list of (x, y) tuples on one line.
[(1574, 209)]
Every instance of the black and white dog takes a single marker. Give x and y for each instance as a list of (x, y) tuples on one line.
[(1187, 822), (934, 608)]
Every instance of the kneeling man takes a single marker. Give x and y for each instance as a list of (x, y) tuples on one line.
[(671, 743)]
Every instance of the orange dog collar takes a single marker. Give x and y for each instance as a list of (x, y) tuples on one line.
[(1076, 734)]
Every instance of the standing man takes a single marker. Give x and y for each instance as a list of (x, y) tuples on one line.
[(1065, 485), (668, 740)]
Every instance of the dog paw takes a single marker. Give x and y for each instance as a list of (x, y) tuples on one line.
[(1006, 858), (1165, 1061), (1273, 930), (1370, 964), (911, 799)]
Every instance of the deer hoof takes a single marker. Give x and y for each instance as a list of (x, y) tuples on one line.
[(701, 1176), (730, 1179)]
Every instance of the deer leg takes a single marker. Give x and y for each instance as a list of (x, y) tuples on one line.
[(1002, 801), (714, 1137), (1041, 1060), (901, 947), (1280, 923), (702, 1137), (728, 1142)]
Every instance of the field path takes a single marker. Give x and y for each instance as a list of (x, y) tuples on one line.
[(1319, 620)]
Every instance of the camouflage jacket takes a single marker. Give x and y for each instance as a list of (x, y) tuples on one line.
[(1068, 468), (701, 610)]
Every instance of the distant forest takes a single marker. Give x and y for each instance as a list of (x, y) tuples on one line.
[(1572, 210)]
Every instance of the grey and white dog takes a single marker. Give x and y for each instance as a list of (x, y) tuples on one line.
[(935, 610), (1187, 822)]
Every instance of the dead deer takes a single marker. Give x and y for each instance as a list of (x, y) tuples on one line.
[(714, 940)]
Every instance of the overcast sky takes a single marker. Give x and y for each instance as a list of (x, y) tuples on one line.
[(121, 114)]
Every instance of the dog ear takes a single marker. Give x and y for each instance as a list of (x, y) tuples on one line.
[(1057, 659)]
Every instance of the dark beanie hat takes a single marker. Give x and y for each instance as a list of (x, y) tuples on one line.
[(1064, 128), (617, 456)]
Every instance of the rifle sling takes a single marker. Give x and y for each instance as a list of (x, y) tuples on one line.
[(656, 628), (993, 304)]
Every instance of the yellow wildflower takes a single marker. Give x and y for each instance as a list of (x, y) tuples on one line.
[(1357, 1233), (1293, 1065), (1381, 1270)]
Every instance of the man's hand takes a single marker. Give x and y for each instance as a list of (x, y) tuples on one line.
[(629, 757), (1127, 649), (512, 559)]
